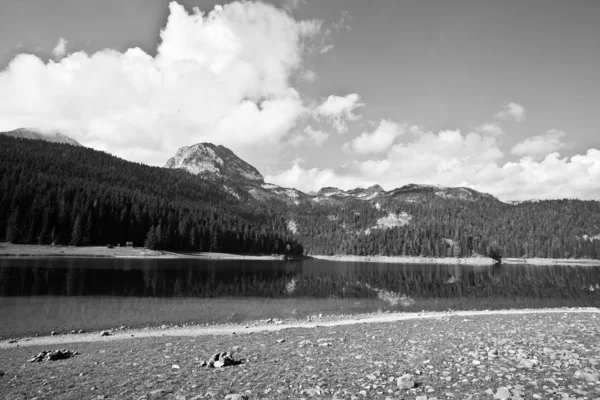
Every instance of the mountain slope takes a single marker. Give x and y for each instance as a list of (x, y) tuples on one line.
[(213, 161), (55, 137), (57, 193), (237, 177), (218, 163), (66, 194)]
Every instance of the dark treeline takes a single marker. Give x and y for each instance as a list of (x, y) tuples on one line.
[(56, 193), (441, 227), (62, 194)]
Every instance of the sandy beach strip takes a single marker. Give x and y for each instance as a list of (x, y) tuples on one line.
[(274, 325)]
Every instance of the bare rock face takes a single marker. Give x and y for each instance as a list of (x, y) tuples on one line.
[(213, 161)]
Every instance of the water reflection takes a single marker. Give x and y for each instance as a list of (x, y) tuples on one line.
[(274, 279)]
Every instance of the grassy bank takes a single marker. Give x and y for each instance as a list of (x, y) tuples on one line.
[(537, 355), (30, 250)]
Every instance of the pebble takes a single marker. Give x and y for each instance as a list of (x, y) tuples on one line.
[(502, 394), (236, 396), (406, 381)]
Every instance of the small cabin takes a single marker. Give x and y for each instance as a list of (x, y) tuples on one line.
[(129, 244)]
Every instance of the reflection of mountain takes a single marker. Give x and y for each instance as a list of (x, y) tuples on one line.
[(154, 278)]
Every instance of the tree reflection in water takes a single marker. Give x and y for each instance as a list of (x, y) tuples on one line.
[(275, 279)]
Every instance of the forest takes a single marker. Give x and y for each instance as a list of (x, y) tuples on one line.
[(61, 194), (442, 227), (54, 193)]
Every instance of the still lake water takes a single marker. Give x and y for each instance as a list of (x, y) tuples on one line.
[(39, 295)]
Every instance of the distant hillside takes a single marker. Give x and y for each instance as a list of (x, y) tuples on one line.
[(211, 200), (57, 193), (55, 137)]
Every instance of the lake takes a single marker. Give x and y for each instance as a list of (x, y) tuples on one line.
[(39, 295)]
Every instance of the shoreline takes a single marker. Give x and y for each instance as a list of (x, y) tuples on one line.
[(271, 325), (552, 261), (408, 259), (29, 250)]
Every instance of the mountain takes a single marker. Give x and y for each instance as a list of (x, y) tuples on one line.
[(55, 137), (72, 195), (414, 192), (237, 177), (242, 180), (58, 193), (333, 193), (207, 159)]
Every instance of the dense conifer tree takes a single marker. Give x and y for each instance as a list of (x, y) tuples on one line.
[(56, 193)]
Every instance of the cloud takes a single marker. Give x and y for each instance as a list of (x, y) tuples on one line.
[(309, 75), (541, 145), (512, 111), (551, 178), (343, 21), (326, 48), (453, 158), (490, 128), (317, 137), (339, 109), (340, 105), (373, 168), (61, 48), (377, 141), (222, 76), (293, 5), (447, 157), (309, 180)]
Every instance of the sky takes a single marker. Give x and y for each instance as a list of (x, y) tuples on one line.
[(499, 96)]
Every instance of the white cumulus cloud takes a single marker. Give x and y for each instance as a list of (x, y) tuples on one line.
[(453, 158), (222, 76), (61, 48), (541, 145), (377, 141), (339, 109), (512, 111), (490, 128), (310, 135), (308, 180)]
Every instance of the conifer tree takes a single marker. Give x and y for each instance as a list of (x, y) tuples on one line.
[(12, 226), (151, 241), (77, 235)]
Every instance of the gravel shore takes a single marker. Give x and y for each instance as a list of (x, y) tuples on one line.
[(513, 354)]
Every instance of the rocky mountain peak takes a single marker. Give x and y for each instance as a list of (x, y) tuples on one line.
[(375, 188), (329, 191), (55, 137), (215, 161)]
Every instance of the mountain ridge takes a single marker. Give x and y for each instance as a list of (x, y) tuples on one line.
[(207, 158), (218, 162), (32, 134)]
